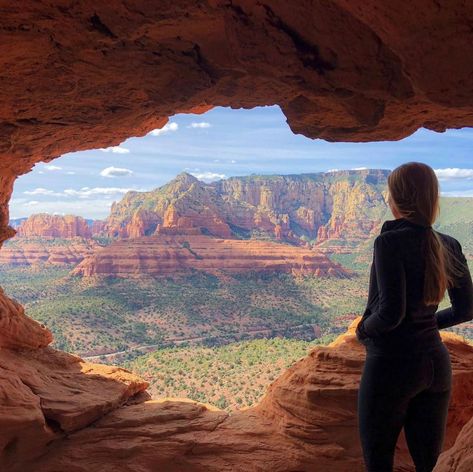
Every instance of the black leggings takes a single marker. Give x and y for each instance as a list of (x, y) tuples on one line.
[(413, 392)]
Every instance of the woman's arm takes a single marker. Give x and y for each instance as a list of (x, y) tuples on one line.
[(372, 297), (461, 297), (391, 283)]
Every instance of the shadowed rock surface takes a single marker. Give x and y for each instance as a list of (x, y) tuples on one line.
[(82, 75), (86, 74), (64, 414)]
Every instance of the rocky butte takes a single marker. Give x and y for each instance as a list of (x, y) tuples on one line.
[(51, 239), (82, 75), (345, 204), (173, 254)]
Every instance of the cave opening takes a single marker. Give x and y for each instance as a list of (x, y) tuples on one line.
[(223, 178), (86, 75)]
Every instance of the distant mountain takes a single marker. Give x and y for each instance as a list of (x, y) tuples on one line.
[(345, 204), (15, 222), (57, 226)]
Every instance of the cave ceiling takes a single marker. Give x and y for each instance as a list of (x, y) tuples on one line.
[(82, 74)]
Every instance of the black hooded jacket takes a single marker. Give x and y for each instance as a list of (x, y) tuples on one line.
[(396, 321)]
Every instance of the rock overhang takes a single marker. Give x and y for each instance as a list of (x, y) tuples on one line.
[(82, 75), (79, 75)]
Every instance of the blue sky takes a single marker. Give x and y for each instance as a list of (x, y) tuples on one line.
[(223, 143)]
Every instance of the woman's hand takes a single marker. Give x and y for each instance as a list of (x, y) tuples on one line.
[(360, 333)]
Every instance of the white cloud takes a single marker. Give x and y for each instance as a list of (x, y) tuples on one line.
[(332, 170), (90, 208), (70, 172), (115, 150), (42, 191), (52, 167), (168, 127), (359, 168), (31, 203), (451, 173), (200, 124), (86, 192), (209, 176), (458, 193), (233, 161), (115, 172)]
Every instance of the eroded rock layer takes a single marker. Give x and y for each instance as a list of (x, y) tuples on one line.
[(170, 254), (347, 204), (55, 226), (50, 251), (307, 420)]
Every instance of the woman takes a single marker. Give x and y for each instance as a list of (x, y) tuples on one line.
[(406, 380)]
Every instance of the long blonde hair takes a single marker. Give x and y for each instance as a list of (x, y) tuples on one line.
[(413, 188)]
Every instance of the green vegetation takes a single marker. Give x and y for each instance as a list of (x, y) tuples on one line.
[(105, 315), (229, 377), (220, 340)]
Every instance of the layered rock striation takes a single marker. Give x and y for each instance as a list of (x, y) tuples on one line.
[(54, 226), (170, 254), (328, 205), (85, 75), (41, 251), (65, 414)]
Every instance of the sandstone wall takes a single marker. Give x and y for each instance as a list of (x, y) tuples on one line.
[(65, 414), (168, 254)]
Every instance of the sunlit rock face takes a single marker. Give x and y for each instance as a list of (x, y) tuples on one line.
[(345, 204), (60, 413), (55, 226), (40, 252), (169, 254)]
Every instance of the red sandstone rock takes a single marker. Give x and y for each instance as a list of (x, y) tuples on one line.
[(18, 331), (98, 227), (334, 205), (307, 421), (32, 251), (358, 70), (458, 458), (168, 254), (143, 223), (206, 219), (45, 393), (94, 73), (56, 226)]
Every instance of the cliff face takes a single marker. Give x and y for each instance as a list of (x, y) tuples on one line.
[(169, 254), (55, 226), (343, 204), (51, 239), (307, 420), (31, 251)]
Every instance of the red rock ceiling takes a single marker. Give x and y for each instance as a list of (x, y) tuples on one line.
[(87, 74), (81, 74)]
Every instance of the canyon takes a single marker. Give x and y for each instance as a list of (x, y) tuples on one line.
[(84, 75), (188, 224)]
